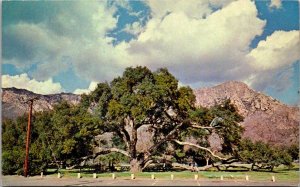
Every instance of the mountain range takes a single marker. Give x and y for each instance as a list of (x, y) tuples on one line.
[(265, 118)]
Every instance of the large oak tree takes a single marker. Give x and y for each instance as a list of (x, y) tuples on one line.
[(142, 98)]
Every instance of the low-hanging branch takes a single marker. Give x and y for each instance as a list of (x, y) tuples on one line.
[(200, 147), (113, 149)]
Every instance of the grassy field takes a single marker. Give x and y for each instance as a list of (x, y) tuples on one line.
[(281, 174)]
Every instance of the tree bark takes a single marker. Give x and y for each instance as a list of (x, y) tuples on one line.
[(252, 166), (133, 143), (135, 166)]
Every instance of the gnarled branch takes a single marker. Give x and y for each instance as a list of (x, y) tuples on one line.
[(213, 124), (147, 164), (197, 126), (200, 147), (109, 150)]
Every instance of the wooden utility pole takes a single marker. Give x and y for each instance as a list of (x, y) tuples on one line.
[(26, 164)]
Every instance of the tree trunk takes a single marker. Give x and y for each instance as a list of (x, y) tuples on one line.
[(135, 163), (133, 141), (136, 166)]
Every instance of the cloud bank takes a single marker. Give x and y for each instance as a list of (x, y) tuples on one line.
[(24, 82)]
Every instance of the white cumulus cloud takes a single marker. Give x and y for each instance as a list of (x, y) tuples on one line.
[(278, 50), (24, 82), (92, 87), (199, 49), (272, 58)]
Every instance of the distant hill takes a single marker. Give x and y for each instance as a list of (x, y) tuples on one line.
[(266, 118), (13, 101)]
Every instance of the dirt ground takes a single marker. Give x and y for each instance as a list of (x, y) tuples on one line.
[(53, 181)]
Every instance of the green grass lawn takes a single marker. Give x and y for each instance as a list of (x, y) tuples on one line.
[(281, 174)]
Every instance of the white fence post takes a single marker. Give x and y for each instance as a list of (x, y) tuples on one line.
[(273, 178), (132, 176), (172, 177), (152, 176)]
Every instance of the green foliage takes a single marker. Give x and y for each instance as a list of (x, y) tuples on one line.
[(142, 97), (13, 145), (115, 158), (262, 155), (63, 134), (70, 134), (293, 150)]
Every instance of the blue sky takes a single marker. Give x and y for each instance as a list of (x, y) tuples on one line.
[(69, 46)]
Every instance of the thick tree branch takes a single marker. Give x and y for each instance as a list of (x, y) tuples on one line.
[(147, 163), (122, 135), (125, 134), (200, 147)]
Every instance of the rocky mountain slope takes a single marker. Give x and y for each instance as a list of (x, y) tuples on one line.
[(265, 118), (13, 101)]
